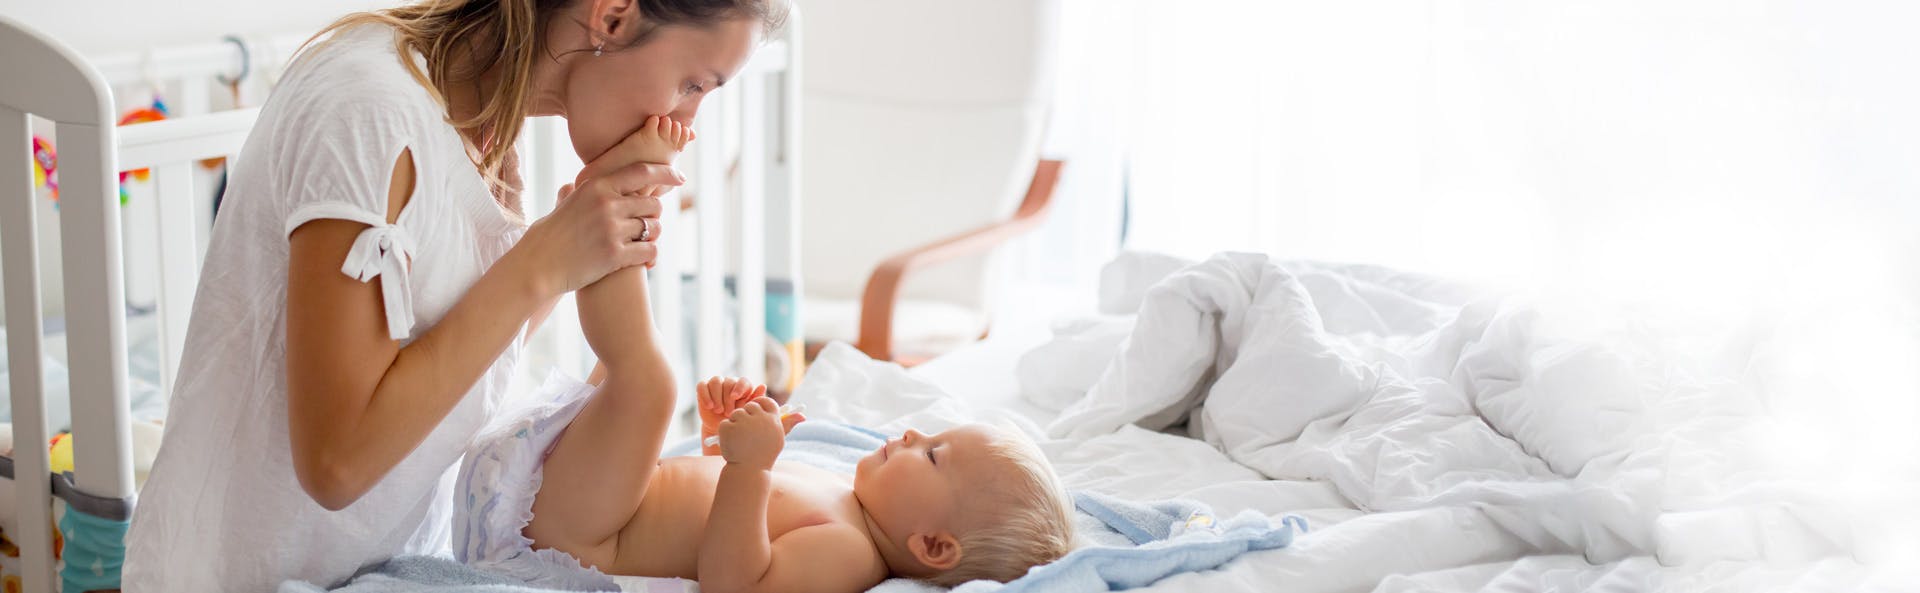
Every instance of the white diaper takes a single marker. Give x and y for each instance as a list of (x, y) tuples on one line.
[(498, 479)]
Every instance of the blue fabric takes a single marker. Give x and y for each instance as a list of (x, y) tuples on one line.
[(419, 574), (93, 552), (1169, 537)]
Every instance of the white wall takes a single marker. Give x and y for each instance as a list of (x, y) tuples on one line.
[(97, 27)]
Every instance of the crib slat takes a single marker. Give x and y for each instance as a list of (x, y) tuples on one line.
[(712, 268), (96, 315), (668, 307), (19, 246), (751, 284), (177, 208)]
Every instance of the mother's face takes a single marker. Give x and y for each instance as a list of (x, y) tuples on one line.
[(610, 95)]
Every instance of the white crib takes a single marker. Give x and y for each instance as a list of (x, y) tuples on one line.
[(743, 171)]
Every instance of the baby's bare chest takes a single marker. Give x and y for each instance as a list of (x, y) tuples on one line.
[(663, 538)]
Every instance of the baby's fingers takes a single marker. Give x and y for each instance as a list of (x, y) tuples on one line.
[(710, 396), (739, 395)]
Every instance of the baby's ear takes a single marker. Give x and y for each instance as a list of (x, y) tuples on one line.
[(938, 551)]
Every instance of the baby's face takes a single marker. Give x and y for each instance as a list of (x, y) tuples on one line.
[(914, 483)]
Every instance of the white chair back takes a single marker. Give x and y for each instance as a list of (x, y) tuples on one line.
[(922, 119)]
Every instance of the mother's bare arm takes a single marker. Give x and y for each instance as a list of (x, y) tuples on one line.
[(357, 401)]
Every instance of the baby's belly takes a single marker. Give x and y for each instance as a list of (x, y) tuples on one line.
[(663, 539)]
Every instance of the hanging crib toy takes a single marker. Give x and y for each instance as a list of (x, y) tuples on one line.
[(155, 112), (44, 164)]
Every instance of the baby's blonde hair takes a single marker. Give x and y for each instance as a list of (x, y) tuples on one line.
[(1027, 520)]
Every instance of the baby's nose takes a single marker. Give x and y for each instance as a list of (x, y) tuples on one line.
[(911, 436)]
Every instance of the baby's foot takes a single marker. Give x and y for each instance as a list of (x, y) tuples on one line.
[(659, 140)]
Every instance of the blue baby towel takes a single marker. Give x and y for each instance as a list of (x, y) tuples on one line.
[(419, 574), (1138, 543)]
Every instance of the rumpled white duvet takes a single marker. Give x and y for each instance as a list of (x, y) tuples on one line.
[(1486, 442), (1437, 436)]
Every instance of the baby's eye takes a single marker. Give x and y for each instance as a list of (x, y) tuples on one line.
[(930, 457), (694, 88)]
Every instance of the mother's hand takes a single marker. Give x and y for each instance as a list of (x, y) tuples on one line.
[(597, 225)]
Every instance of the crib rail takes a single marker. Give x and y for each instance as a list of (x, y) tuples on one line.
[(48, 79)]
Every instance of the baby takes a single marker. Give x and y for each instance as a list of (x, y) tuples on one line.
[(964, 504)]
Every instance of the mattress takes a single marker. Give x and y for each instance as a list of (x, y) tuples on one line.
[(144, 396)]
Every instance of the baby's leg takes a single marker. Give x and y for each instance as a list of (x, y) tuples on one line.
[(594, 479)]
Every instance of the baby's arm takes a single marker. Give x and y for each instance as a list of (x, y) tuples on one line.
[(735, 554)]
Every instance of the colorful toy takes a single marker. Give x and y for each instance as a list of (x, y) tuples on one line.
[(44, 164), (155, 112)]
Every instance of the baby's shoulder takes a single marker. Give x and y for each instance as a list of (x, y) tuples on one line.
[(839, 555)]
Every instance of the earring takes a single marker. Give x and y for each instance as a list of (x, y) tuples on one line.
[(596, 48)]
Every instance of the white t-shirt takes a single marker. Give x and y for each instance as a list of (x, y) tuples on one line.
[(222, 510)]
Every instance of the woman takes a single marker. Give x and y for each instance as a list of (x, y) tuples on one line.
[(370, 281)]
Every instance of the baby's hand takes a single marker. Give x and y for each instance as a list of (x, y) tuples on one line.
[(718, 397), (753, 435)]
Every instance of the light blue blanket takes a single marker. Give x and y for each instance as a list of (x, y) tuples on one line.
[(1127, 544), (1135, 544), (419, 574)]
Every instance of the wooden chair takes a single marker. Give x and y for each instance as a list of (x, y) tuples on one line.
[(921, 155)]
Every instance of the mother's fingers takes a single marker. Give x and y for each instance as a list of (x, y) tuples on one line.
[(636, 206), (638, 253)]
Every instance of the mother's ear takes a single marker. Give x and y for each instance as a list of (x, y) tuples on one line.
[(610, 22), (938, 551)]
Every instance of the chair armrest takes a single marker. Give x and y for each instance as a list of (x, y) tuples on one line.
[(883, 287)]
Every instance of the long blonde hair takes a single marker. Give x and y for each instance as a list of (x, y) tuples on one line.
[(511, 34)]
